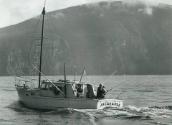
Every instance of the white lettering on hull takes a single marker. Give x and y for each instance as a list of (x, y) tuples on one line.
[(106, 103)]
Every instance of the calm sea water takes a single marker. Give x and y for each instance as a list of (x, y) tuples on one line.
[(147, 100)]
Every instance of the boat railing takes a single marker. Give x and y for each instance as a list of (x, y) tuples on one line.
[(23, 82)]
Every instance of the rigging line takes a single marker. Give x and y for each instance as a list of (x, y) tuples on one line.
[(47, 42), (47, 35), (34, 31), (21, 72), (119, 95), (114, 87), (34, 42), (121, 91), (36, 26), (25, 78), (112, 74), (41, 49), (82, 75), (49, 80), (48, 29)]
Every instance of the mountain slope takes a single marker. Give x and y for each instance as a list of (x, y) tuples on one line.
[(105, 37)]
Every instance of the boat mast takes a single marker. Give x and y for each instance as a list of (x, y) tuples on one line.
[(64, 72), (65, 79), (42, 39)]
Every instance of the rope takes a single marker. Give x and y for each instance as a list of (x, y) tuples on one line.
[(49, 81), (113, 73)]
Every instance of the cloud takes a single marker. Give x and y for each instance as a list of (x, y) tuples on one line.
[(148, 2), (146, 10), (17, 10)]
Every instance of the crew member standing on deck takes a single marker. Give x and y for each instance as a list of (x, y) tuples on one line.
[(101, 92), (79, 90)]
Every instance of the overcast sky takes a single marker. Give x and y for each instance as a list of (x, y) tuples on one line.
[(15, 11)]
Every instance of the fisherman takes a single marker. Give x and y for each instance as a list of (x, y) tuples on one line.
[(101, 92), (79, 90)]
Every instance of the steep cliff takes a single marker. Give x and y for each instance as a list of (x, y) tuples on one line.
[(105, 37)]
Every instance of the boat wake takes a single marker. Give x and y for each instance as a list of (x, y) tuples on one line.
[(130, 113), (94, 116)]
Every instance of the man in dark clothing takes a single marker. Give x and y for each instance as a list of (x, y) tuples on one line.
[(79, 90), (101, 92)]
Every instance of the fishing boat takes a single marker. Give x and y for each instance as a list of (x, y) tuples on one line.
[(49, 94)]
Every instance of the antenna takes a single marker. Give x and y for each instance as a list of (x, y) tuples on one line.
[(82, 74)]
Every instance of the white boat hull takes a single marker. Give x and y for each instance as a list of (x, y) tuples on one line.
[(49, 103)]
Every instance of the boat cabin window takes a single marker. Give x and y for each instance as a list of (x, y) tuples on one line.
[(90, 91), (43, 85), (49, 86), (46, 85)]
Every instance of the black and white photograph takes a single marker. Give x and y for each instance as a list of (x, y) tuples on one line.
[(85, 62)]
